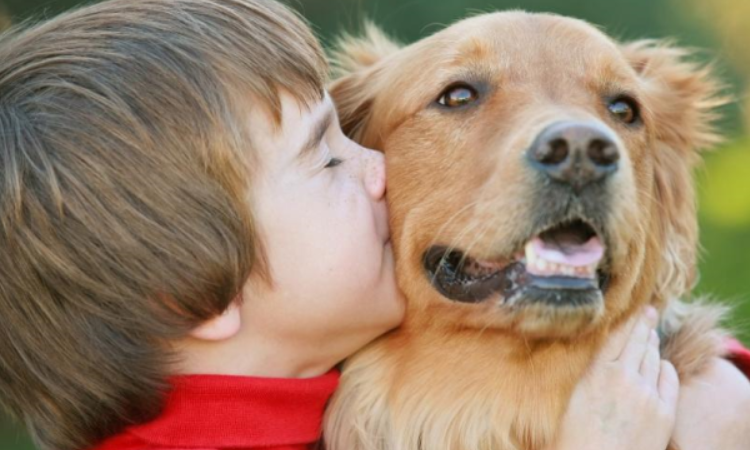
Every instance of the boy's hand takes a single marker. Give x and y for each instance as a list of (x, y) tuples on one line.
[(628, 398)]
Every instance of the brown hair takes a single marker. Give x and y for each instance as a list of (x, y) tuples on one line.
[(124, 219)]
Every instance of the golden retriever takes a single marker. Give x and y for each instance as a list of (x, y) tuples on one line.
[(540, 192)]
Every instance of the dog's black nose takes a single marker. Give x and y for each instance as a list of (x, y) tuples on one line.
[(575, 153)]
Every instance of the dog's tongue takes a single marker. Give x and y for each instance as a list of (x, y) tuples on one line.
[(568, 252)]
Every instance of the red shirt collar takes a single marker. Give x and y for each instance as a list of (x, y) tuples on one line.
[(218, 411)]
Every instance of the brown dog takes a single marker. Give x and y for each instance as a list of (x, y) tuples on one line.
[(540, 194)]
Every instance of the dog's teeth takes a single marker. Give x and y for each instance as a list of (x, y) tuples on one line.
[(530, 254), (538, 265)]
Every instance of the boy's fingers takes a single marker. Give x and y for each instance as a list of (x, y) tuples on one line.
[(651, 364), (652, 316), (669, 385), (617, 340), (636, 346)]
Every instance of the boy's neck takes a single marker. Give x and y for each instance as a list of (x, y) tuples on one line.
[(265, 359)]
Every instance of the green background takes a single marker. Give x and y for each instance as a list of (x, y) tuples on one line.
[(717, 27)]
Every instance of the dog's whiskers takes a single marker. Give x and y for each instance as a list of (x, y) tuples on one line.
[(450, 248)]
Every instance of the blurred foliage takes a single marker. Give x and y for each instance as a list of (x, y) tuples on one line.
[(720, 27), (729, 20)]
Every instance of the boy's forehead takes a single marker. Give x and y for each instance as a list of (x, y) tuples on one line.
[(310, 112)]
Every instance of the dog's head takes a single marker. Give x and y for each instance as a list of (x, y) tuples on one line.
[(539, 172)]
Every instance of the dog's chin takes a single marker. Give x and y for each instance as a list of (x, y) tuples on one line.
[(541, 313), (535, 296)]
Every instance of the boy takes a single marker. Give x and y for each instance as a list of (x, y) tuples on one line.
[(190, 244)]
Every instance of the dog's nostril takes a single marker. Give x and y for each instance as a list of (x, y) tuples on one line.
[(555, 152), (558, 151), (574, 153), (603, 152)]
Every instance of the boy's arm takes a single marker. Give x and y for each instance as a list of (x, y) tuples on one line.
[(714, 408)]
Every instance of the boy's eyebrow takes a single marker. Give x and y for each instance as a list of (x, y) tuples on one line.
[(318, 131)]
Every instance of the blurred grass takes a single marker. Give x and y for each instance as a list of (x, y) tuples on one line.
[(724, 192), (13, 438), (721, 26)]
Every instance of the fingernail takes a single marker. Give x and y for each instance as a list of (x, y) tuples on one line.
[(651, 313), (654, 337)]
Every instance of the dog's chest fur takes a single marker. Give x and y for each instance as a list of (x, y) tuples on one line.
[(468, 392)]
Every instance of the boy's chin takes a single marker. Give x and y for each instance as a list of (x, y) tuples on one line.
[(377, 322), (391, 315)]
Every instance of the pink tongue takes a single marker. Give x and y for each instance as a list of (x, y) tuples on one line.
[(571, 255)]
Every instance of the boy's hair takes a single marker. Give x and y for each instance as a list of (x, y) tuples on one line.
[(124, 212)]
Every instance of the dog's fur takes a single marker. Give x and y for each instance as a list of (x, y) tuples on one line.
[(483, 376)]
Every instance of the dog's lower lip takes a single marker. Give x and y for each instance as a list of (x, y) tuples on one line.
[(564, 283), (445, 270), (486, 279)]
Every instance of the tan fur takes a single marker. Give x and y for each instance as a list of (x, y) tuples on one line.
[(693, 335), (483, 376), (352, 54)]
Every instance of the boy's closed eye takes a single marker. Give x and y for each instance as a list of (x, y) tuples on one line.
[(333, 162)]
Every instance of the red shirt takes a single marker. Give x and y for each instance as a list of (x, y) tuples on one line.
[(739, 355), (211, 412)]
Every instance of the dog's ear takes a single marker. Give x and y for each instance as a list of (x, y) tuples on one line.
[(682, 95), (353, 54), (682, 98), (357, 63)]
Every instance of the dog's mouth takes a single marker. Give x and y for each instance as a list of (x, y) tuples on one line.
[(563, 265)]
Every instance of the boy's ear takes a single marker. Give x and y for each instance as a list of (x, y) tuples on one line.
[(682, 98), (357, 69), (224, 326)]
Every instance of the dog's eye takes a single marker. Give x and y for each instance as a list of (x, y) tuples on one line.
[(458, 95), (625, 109)]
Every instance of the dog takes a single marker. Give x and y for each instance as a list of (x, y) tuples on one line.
[(540, 193)]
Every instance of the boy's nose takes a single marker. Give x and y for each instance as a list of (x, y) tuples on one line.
[(375, 175)]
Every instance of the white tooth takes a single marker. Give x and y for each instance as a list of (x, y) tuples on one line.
[(530, 253), (569, 271), (541, 264)]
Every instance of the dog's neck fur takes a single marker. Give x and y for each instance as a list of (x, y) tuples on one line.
[(494, 399)]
